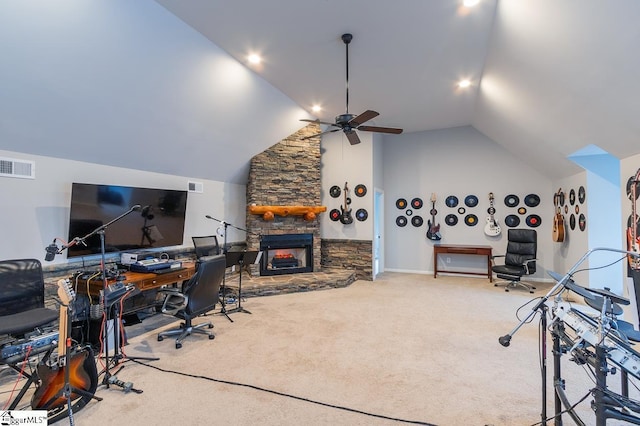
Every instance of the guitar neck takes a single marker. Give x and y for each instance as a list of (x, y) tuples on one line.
[(62, 331)]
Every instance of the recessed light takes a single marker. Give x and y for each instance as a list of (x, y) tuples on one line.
[(464, 83), (254, 58), (316, 108), (470, 3)]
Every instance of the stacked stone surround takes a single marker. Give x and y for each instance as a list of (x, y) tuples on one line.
[(286, 174), (349, 254)]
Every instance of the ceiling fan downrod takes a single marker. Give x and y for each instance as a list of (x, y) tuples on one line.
[(346, 38)]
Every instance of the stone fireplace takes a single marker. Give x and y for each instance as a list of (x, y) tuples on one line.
[(286, 174)]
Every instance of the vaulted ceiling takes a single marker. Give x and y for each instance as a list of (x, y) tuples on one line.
[(549, 77)]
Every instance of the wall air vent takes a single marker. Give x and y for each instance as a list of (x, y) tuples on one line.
[(10, 167), (196, 187)]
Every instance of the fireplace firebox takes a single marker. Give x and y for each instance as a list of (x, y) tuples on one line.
[(286, 254)]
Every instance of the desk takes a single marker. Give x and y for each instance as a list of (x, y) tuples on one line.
[(462, 249), (144, 281)]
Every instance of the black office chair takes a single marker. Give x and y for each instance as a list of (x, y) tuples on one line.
[(519, 260), (199, 295), (206, 246), (22, 297)]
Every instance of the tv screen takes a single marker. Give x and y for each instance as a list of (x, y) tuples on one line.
[(158, 223)]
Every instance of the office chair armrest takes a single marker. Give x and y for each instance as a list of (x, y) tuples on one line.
[(525, 264), (174, 300), (493, 258)]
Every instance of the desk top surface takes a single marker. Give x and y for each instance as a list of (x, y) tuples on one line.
[(461, 246)]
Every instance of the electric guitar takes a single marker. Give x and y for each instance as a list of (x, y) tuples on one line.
[(558, 219), (345, 216), (83, 376), (633, 240), (492, 228), (433, 231)]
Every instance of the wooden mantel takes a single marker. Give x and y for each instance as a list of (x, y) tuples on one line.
[(269, 212)]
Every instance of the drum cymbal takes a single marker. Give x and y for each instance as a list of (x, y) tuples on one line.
[(571, 285), (596, 303), (614, 297)]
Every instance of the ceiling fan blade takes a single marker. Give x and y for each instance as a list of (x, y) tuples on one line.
[(380, 129), (319, 134), (319, 122), (365, 116), (352, 136)]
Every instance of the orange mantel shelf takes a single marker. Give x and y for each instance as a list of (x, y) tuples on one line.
[(269, 212)]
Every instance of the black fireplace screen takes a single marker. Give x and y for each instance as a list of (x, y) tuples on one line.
[(286, 254)]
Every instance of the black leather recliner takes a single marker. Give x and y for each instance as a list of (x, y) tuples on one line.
[(519, 259)]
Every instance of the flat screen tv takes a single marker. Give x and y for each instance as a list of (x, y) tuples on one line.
[(158, 223)]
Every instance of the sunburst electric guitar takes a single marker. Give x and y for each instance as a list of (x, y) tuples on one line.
[(83, 376), (491, 228)]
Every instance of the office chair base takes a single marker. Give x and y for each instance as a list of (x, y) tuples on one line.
[(515, 284), (185, 331)]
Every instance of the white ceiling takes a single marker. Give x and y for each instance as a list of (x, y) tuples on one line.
[(549, 76)]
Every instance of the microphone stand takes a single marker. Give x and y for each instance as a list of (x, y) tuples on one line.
[(542, 307), (116, 356)]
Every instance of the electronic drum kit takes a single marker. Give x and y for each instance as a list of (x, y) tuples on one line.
[(599, 340)]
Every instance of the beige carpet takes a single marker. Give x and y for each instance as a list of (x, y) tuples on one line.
[(404, 348)]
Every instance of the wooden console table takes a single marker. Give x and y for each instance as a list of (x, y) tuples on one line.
[(462, 249)]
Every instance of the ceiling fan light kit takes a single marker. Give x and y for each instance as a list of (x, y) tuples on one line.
[(349, 123)]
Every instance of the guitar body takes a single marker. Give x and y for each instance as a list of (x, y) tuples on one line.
[(558, 228), (83, 375), (491, 228), (433, 233), (345, 216)]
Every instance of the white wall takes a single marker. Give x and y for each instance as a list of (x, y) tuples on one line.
[(35, 211), (458, 161)]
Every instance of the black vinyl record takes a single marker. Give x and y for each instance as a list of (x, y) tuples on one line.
[(532, 200), (408, 212), (416, 203), (582, 222), (572, 196), (630, 185), (471, 220), (361, 215), (360, 190), (572, 221), (511, 200), (401, 221), (401, 203), (533, 220), (512, 221), (582, 194), (417, 221), (522, 210), (335, 215), (461, 210), (451, 201), (335, 191), (471, 201), (451, 219)]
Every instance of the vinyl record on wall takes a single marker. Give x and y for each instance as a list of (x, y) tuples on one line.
[(577, 209), (533, 220), (401, 203), (532, 200), (361, 215), (572, 221), (408, 212), (512, 221), (471, 220), (416, 203), (451, 219), (335, 191), (522, 210), (360, 190), (417, 221), (451, 201), (461, 210), (511, 200), (401, 221), (471, 201), (630, 184), (572, 196), (334, 215), (582, 222), (582, 194)]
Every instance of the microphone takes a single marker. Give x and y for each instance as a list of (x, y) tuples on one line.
[(222, 222), (209, 217), (52, 250), (505, 340)]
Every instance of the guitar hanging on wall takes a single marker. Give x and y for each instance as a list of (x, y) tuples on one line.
[(76, 366), (633, 240), (558, 219), (433, 231), (492, 228), (345, 216)]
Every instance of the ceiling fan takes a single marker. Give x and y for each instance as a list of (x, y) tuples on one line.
[(349, 123)]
